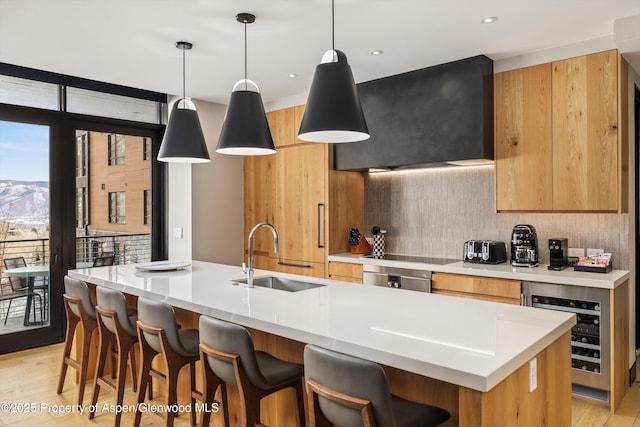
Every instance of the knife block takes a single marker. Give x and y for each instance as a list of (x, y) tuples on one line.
[(363, 247)]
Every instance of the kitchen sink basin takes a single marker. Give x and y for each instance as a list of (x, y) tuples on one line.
[(280, 283)]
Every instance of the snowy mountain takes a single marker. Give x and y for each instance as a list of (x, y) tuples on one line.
[(24, 202)]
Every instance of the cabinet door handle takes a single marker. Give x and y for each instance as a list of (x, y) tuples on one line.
[(289, 264), (320, 223)]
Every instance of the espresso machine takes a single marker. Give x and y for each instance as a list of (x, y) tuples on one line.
[(524, 246), (558, 253)]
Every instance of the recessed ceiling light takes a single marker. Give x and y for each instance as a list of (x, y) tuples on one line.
[(293, 76), (489, 20), (377, 52)]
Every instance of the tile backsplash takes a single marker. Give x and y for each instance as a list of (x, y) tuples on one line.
[(432, 212)]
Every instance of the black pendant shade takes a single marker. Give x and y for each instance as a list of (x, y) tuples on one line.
[(245, 130), (333, 112), (183, 140)]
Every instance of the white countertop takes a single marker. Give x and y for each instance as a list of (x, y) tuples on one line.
[(504, 271), (470, 343)]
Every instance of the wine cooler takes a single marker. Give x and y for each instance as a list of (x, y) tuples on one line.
[(590, 340)]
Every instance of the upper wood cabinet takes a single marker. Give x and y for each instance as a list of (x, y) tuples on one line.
[(561, 136), (523, 139), (284, 125), (281, 124), (298, 112), (585, 133), (311, 206)]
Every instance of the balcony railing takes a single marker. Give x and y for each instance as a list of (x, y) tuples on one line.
[(127, 248)]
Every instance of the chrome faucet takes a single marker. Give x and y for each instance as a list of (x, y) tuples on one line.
[(249, 271)]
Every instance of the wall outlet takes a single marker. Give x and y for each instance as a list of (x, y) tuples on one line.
[(177, 232), (533, 374)]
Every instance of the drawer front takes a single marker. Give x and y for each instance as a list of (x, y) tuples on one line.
[(513, 301), (343, 269), (357, 280), (504, 288), (312, 269)]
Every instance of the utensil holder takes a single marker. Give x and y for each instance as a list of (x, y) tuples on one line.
[(378, 246), (363, 247)]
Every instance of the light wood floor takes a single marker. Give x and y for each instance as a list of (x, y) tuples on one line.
[(30, 377)]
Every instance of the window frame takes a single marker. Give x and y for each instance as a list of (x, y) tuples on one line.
[(63, 125), (147, 208), (117, 208), (116, 149), (146, 149), (81, 207)]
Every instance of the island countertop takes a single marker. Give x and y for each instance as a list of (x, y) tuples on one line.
[(505, 270), (470, 343)]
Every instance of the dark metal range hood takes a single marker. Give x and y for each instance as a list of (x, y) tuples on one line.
[(434, 116)]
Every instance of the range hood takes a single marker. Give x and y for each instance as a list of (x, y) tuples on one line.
[(434, 116)]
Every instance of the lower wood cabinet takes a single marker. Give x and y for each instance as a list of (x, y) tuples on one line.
[(483, 288), (345, 271), (265, 262)]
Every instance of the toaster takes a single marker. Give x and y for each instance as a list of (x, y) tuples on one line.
[(484, 252)]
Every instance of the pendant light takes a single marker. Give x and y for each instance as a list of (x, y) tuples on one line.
[(333, 112), (183, 140), (245, 130)]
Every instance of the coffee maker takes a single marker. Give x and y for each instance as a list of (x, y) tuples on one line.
[(558, 253), (524, 246)]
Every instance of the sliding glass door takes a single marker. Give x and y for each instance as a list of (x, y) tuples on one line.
[(29, 250), (114, 196), (73, 193)]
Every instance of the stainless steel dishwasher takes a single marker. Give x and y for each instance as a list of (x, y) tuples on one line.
[(398, 278)]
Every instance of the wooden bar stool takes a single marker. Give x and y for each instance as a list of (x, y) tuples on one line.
[(348, 391), (79, 309), (159, 335), (116, 325), (229, 357)]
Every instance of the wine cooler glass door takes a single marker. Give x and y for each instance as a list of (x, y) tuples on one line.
[(590, 340)]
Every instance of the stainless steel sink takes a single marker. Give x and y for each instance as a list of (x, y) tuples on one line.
[(280, 283)]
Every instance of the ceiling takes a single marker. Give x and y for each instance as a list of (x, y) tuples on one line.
[(132, 42)]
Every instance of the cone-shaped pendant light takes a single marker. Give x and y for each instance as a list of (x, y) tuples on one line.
[(183, 140), (333, 112), (245, 130)]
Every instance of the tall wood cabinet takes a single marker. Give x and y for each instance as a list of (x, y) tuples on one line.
[(311, 206), (562, 137)]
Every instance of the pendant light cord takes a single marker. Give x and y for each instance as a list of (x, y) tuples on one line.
[(245, 55), (333, 27), (184, 77)]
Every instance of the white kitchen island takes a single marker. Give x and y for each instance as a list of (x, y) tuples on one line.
[(470, 357)]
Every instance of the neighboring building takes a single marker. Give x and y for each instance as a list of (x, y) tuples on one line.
[(113, 183)]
